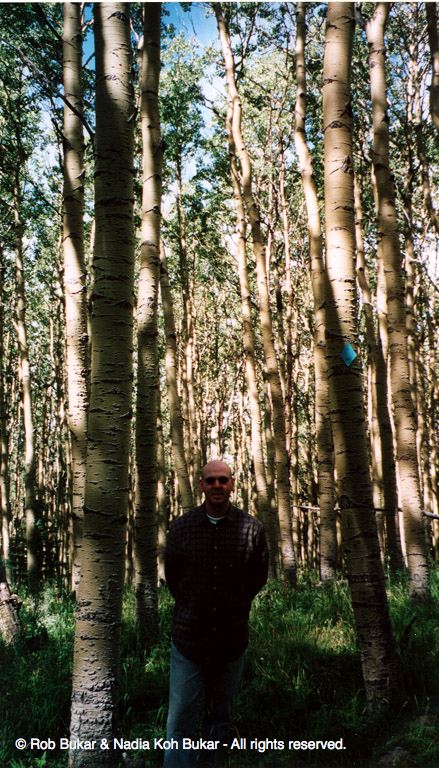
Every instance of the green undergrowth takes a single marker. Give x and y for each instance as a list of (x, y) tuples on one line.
[(302, 681)]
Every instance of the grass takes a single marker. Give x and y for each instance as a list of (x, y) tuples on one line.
[(35, 679), (302, 680)]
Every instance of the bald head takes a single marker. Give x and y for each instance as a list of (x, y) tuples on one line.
[(216, 466)]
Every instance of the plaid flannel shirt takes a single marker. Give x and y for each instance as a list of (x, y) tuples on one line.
[(213, 571)]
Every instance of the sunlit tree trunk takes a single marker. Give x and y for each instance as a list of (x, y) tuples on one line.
[(413, 309), (96, 650), (390, 254), (416, 119), (364, 567), (376, 457), (285, 220), (5, 504), (433, 417), (325, 458), (9, 606), (175, 413), (265, 507), (433, 39), (145, 531), (272, 371), (188, 343), (385, 489), (30, 500), (75, 291)]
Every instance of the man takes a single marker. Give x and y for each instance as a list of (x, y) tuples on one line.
[(216, 561)]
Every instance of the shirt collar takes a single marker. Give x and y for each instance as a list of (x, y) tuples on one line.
[(202, 516)]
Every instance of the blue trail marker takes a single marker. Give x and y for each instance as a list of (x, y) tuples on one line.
[(348, 354)]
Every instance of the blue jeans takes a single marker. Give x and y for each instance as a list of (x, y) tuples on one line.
[(187, 680)]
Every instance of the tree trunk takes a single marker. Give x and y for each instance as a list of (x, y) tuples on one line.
[(416, 121), (145, 530), (325, 457), (282, 463), (188, 343), (30, 500), (5, 505), (390, 254), (9, 606), (385, 489), (175, 414), (285, 220), (365, 571), (75, 290), (433, 39), (432, 409), (263, 500), (162, 497), (96, 648)]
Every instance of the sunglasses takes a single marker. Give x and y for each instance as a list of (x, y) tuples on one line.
[(223, 480)]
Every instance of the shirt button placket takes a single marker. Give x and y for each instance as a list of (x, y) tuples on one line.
[(215, 573)]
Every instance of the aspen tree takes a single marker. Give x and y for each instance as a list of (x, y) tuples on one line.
[(389, 254), (433, 38), (5, 504), (413, 297), (75, 291), (9, 605), (96, 647), (14, 155), (285, 219), (385, 491), (364, 568), (415, 116), (162, 496), (433, 402), (248, 334), (175, 413), (30, 501), (180, 112), (271, 364), (325, 458), (145, 526), (188, 341)]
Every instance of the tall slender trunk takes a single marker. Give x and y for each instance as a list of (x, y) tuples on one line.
[(390, 254), (188, 343), (30, 500), (364, 567), (96, 648), (185, 306), (145, 531), (372, 394), (417, 123), (285, 220), (175, 413), (75, 290), (433, 39), (162, 497), (413, 305), (325, 458), (263, 500), (433, 409), (282, 463), (5, 504), (242, 463), (385, 489)]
